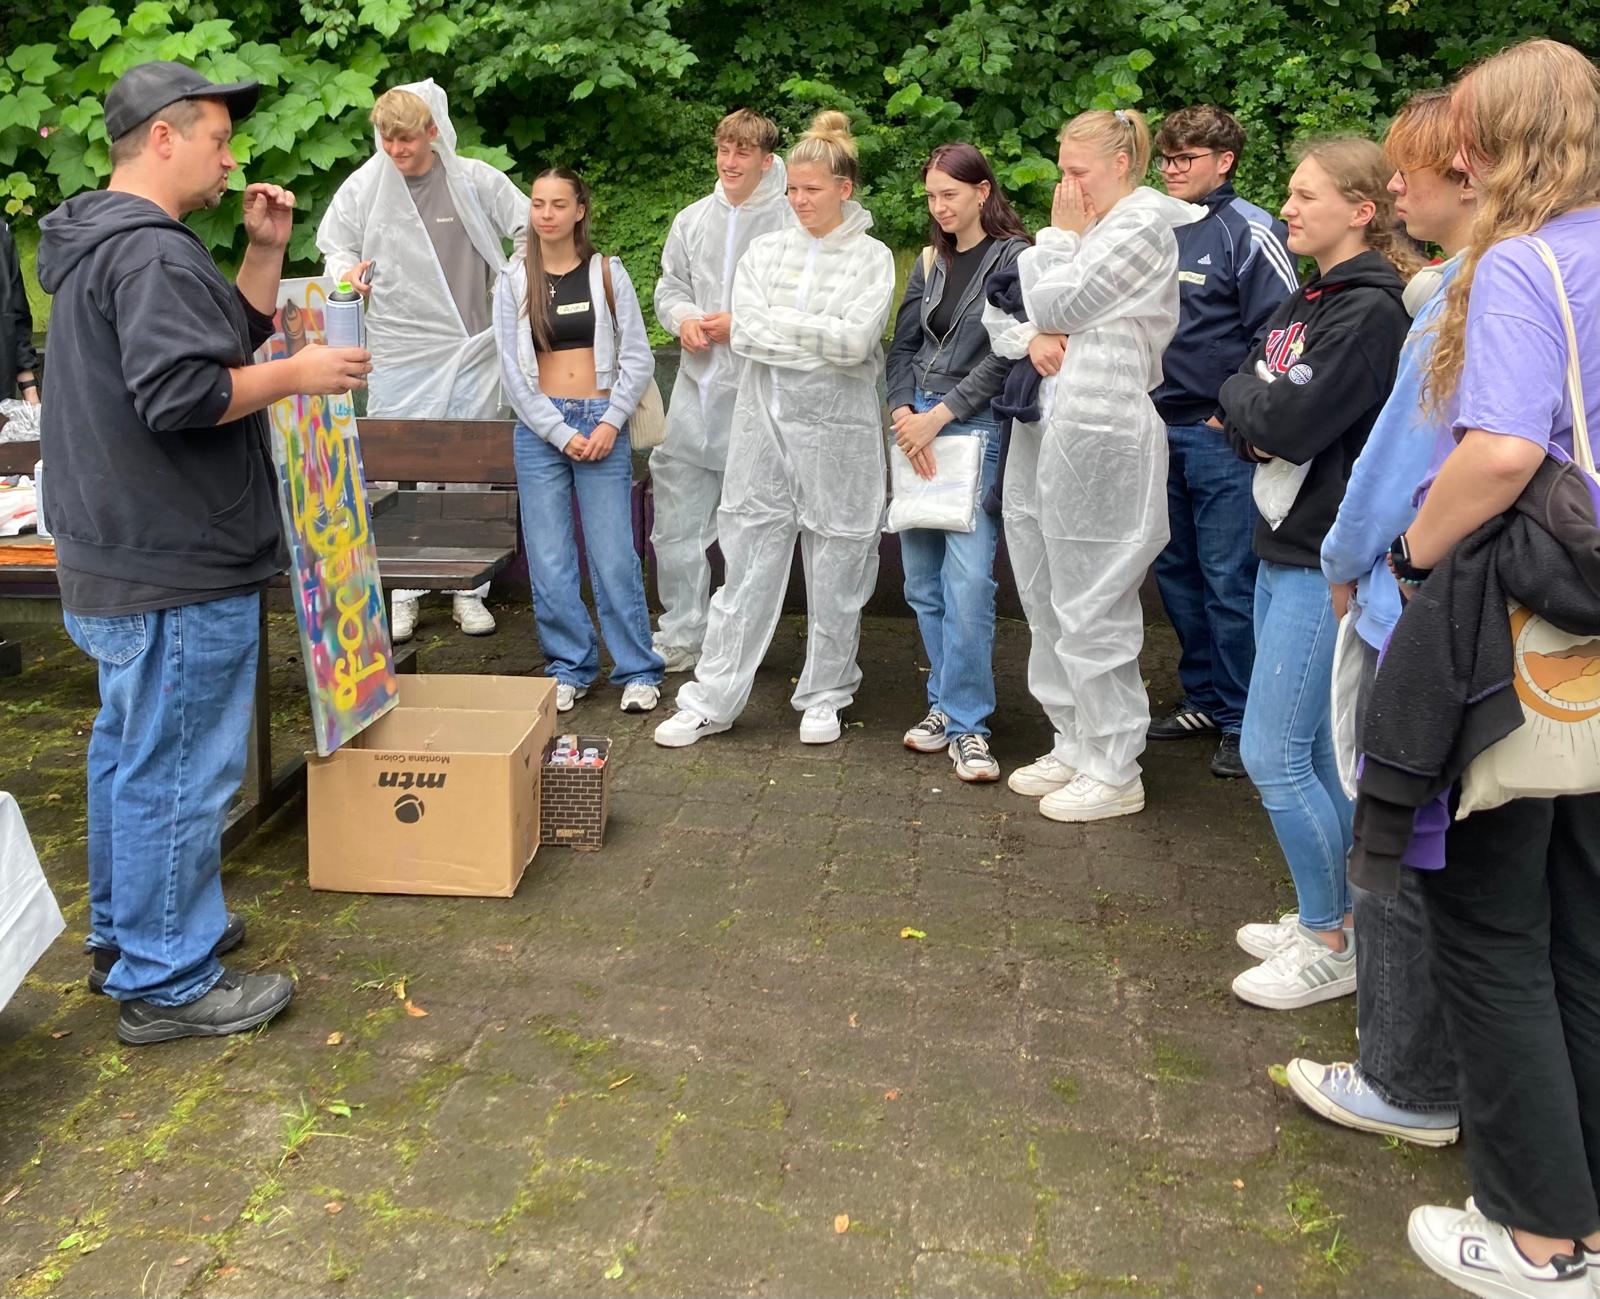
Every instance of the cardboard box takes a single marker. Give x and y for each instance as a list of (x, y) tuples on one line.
[(440, 795), (573, 800)]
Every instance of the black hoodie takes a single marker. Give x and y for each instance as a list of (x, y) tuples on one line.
[(151, 501), (1333, 349)]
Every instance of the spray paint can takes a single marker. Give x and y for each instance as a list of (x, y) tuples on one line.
[(345, 326)]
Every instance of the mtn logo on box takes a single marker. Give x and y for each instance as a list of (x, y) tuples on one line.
[(406, 779)]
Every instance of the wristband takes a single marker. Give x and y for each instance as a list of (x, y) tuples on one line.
[(24, 384), (1401, 566)]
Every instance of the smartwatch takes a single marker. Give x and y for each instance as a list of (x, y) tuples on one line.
[(1401, 566)]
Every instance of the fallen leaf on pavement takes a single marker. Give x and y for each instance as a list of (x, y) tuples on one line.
[(179, 1262), (893, 1094), (226, 1271), (415, 1011), (505, 947), (611, 1087), (1238, 1184), (841, 1224), (334, 1206), (10, 1195), (854, 1022), (400, 990), (614, 1271), (335, 1039), (1278, 1074), (61, 1033), (909, 932)]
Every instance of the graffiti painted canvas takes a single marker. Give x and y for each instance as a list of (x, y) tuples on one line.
[(333, 560)]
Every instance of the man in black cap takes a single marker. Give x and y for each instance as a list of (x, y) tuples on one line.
[(161, 497)]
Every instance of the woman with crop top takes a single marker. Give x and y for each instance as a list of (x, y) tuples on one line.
[(576, 360)]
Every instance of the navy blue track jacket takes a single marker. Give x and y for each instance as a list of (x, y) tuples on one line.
[(1234, 270)]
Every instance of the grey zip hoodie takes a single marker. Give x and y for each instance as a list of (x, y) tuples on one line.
[(142, 483)]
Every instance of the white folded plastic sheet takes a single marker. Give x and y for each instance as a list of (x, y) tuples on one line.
[(947, 501), (29, 918)]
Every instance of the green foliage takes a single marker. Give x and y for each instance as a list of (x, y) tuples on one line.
[(629, 90)]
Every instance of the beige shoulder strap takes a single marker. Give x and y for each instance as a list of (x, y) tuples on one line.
[(611, 293), (927, 261), (1582, 452)]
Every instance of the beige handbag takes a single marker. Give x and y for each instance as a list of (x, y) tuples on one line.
[(1556, 674), (647, 427)]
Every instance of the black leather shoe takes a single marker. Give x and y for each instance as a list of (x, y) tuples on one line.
[(1226, 762), (235, 1003), (106, 957), (1182, 723)]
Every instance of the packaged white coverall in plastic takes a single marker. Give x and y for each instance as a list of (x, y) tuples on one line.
[(424, 363), (697, 265), (806, 457), (1085, 500), (29, 918)]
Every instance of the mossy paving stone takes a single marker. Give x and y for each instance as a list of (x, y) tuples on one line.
[(1063, 1037)]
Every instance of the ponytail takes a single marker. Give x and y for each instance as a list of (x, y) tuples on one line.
[(830, 143)]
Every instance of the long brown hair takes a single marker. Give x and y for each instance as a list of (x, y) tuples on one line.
[(538, 280), (1361, 172), (1528, 124), (966, 163)]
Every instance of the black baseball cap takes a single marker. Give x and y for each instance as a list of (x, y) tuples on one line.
[(145, 90)]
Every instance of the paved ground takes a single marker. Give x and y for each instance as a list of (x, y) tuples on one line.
[(704, 1060)]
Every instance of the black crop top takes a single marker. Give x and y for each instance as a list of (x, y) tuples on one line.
[(569, 314)]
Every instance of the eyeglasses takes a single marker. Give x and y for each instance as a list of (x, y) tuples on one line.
[(1179, 163)]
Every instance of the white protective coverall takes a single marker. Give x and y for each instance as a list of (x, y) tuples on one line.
[(806, 457), (1085, 499), (424, 364), (704, 246)]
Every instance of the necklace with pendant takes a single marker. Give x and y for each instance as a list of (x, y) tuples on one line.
[(552, 280)]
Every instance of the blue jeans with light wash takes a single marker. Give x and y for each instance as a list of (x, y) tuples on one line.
[(166, 755), (1287, 741), (546, 481), (950, 586), (1207, 572)]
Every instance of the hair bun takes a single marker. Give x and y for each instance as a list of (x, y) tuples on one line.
[(833, 126)]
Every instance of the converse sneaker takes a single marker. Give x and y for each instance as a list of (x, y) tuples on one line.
[(567, 695), (1340, 1093), (928, 736), (469, 614), (403, 619), (1263, 941), (1083, 798), (637, 697), (819, 724), (683, 728), (974, 763), (1481, 1257), (677, 658), (1301, 974), (1182, 723), (1039, 778)]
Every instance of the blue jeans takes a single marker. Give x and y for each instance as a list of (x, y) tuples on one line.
[(1287, 742), (546, 481), (950, 586), (1207, 573), (166, 755)]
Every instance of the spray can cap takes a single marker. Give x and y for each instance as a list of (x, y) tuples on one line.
[(345, 287)]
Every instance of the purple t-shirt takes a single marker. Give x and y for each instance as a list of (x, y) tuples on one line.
[(1514, 380)]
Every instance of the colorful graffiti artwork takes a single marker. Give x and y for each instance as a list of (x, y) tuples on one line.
[(333, 561)]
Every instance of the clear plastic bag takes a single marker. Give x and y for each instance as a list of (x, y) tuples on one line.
[(949, 500)]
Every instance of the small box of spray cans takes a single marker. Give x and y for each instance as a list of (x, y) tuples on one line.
[(573, 791)]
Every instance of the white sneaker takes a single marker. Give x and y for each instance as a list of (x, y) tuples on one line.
[(1039, 778), (683, 728), (1468, 1250), (819, 724), (403, 620), (637, 697), (928, 736), (471, 616), (1264, 941), (1303, 973), (567, 695), (677, 658), (1083, 798)]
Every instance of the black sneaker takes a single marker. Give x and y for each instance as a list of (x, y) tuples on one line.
[(1226, 762), (928, 736), (106, 957), (1182, 723), (237, 1002)]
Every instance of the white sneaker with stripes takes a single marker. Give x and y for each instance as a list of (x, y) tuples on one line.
[(1302, 973)]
